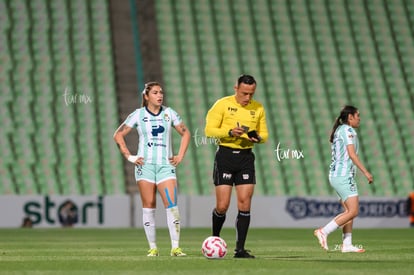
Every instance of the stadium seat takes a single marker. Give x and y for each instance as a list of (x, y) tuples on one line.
[(309, 58)]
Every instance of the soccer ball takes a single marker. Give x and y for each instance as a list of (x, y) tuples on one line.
[(214, 248)]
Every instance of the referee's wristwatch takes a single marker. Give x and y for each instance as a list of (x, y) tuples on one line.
[(230, 134)]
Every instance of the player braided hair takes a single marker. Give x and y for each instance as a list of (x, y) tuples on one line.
[(342, 118), (146, 90)]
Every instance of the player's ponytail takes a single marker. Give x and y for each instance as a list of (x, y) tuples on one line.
[(342, 119)]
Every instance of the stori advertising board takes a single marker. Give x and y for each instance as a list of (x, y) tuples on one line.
[(125, 211)]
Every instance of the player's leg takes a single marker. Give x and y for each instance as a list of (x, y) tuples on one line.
[(347, 191), (351, 206), (245, 180), (347, 229), (341, 186), (244, 197), (167, 187), (345, 219), (147, 189), (223, 196), (223, 181)]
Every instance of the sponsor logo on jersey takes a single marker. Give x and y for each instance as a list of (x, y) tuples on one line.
[(146, 119), (157, 130), (232, 109), (153, 144)]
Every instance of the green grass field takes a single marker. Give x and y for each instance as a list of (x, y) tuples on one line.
[(278, 251)]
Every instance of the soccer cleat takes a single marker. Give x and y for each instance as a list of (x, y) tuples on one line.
[(321, 238), (153, 252), (177, 252), (243, 254), (351, 248)]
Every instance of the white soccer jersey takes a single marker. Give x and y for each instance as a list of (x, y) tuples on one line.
[(341, 164), (154, 131)]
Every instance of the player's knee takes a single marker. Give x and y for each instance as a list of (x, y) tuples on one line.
[(244, 204), (149, 204), (353, 212), (220, 210)]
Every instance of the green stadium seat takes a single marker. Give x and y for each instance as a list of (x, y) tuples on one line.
[(309, 57), (315, 57)]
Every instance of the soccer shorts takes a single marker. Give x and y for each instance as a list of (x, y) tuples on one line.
[(345, 187), (155, 173), (234, 166)]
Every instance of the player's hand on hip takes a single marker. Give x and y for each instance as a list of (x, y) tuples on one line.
[(175, 160), (136, 160)]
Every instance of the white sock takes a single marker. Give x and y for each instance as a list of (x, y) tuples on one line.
[(173, 221), (148, 221), (347, 239), (330, 227)]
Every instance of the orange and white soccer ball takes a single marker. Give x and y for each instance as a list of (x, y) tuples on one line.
[(214, 248)]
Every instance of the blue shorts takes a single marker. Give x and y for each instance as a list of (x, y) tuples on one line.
[(345, 187), (155, 173)]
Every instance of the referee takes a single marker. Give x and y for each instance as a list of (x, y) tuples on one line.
[(238, 122)]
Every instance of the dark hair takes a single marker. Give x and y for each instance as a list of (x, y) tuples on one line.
[(146, 90), (342, 118), (246, 79)]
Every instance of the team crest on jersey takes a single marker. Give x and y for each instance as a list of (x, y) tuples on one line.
[(167, 117), (253, 113)]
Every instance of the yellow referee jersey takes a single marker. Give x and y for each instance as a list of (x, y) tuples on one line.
[(227, 114)]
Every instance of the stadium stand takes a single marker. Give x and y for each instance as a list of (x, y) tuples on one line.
[(310, 58), (58, 104), (58, 101)]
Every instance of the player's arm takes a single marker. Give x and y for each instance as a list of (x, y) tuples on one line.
[(262, 129), (119, 137), (355, 159), (185, 141), (214, 121)]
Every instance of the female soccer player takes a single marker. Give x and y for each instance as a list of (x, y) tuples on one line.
[(342, 172), (155, 163)]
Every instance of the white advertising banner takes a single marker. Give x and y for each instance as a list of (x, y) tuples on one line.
[(92, 211), (126, 211)]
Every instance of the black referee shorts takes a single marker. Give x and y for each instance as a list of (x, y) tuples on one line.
[(234, 166)]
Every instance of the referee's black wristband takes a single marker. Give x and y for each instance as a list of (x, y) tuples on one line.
[(230, 134)]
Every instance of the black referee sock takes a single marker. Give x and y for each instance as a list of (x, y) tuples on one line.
[(218, 221), (242, 226)]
